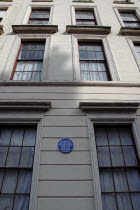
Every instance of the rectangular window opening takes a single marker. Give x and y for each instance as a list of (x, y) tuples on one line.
[(29, 61), (130, 19), (93, 64), (119, 167), (85, 17), (39, 16)]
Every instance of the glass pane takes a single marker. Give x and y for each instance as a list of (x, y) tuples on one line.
[(130, 156), (85, 76), (26, 76), (39, 55), (99, 56), (17, 76), (33, 46), (83, 55), (133, 177), (92, 66), (29, 66), (109, 201), (91, 55), (135, 200), (27, 156), (117, 156), (3, 155), (125, 135), (106, 180), (10, 180), (103, 156), (38, 66), (24, 181), (120, 180), (17, 137), (101, 136), (31, 55), (124, 202), (84, 66), (20, 66), (41, 46), (103, 76), (101, 67), (13, 157), (25, 46), (113, 136), (6, 202), (36, 76), (5, 136), (21, 202), (29, 137)]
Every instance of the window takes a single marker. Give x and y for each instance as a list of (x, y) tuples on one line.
[(130, 19), (122, 0), (29, 61), (2, 13), (85, 17), (93, 63), (119, 167), (137, 47), (17, 145), (39, 16)]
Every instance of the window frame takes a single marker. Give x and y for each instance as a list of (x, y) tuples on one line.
[(114, 76), (108, 119), (85, 8), (38, 9), (125, 9), (13, 52)]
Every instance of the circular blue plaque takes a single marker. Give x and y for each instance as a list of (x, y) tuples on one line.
[(65, 145)]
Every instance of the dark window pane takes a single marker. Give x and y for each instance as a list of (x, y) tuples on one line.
[(17, 76), (109, 202), (106, 179), (39, 54), (26, 76), (91, 55), (5, 136), (31, 55), (124, 202), (101, 137), (38, 66), (29, 137), (116, 156), (24, 181), (6, 202), (3, 155), (125, 135), (29, 66), (36, 76), (130, 156), (103, 156), (23, 55), (20, 66), (27, 155), (103, 76), (135, 200), (21, 202), (17, 137), (83, 55), (133, 177), (1, 177), (13, 157), (10, 180), (113, 136), (120, 180)]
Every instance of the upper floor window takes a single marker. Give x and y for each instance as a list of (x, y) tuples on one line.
[(39, 16), (122, 0), (93, 64), (85, 17), (119, 167), (137, 47), (29, 61), (17, 146), (2, 13), (130, 19)]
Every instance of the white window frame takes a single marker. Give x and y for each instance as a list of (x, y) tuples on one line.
[(38, 6), (125, 9), (97, 119), (131, 41), (84, 8), (12, 55), (30, 120), (107, 50)]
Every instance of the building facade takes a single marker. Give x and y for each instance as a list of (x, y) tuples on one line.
[(70, 69)]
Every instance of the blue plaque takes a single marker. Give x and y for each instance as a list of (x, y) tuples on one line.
[(65, 145)]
